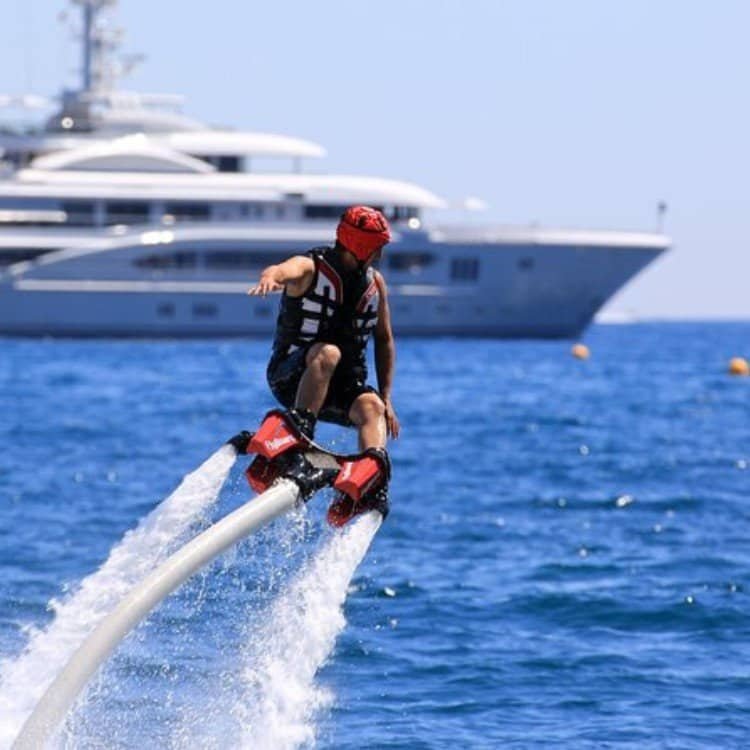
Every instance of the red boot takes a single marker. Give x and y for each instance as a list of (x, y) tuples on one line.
[(362, 485)]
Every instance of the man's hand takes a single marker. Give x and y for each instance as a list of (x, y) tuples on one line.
[(267, 283), (391, 420)]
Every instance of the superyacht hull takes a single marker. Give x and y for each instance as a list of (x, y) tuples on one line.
[(540, 286)]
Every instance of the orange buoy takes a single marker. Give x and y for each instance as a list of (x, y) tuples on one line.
[(580, 351), (739, 366)]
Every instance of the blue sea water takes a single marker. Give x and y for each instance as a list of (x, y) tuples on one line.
[(566, 563)]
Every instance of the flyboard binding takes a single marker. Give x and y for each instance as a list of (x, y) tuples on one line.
[(282, 450)]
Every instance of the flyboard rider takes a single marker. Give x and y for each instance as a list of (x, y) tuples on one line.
[(333, 300)]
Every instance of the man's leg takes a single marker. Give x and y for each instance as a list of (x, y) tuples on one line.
[(368, 414), (321, 361)]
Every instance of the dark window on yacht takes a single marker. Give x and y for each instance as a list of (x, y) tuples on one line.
[(465, 269), (12, 255), (126, 212), (224, 163), (401, 213), (324, 212), (165, 310), (252, 210), (79, 213), (183, 260), (204, 310), (409, 261), (236, 259), (188, 211), (526, 264)]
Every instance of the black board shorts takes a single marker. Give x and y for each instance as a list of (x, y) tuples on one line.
[(347, 384)]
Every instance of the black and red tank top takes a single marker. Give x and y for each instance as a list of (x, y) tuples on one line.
[(339, 307)]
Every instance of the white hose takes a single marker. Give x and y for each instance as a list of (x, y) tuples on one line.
[(62, 693)]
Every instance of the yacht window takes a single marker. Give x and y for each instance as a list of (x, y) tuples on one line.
[(183, 211), (184, 260), (165, 310), (122, 212), (204, 310), (465, 269), (236, 259), (411, 262), (526, 264), (324, 212), (79, 213), (401, 213), (10, 255), (252, 210), (224, 163)]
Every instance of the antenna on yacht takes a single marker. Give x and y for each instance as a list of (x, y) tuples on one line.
[(99, 69)]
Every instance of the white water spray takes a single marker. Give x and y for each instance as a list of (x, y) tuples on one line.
[(281, 701), (24, 679)]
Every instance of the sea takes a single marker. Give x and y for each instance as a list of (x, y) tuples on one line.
[(566, 563)]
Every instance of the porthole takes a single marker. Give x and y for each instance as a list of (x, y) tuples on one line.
[(204, 310)]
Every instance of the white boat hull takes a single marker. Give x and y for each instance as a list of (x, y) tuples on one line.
[(516, 289)]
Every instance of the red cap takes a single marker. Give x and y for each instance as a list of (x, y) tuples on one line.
[(363, 231)]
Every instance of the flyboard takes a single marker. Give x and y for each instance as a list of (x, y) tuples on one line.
[(288, 469)]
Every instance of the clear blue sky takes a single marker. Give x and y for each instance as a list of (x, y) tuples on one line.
[(580, 113)]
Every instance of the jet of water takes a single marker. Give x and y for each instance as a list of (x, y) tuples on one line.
[(268, 699), (24, 679), (281, 700)]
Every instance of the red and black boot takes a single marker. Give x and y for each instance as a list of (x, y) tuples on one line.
[(361, 485), (278, 446)]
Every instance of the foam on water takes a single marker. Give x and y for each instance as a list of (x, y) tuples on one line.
[(280, 699), (24, 679), (268, 699)]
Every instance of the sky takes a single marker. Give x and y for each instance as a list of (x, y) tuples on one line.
[(565, 113)]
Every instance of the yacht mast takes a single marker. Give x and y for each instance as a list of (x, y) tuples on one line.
[(88, 42), (97, 41)]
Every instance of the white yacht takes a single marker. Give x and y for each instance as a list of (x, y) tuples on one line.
[(123, 217)]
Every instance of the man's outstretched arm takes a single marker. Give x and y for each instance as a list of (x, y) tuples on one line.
[(385, 357), (294, 274)]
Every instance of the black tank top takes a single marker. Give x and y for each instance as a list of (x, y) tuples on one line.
[(339, 307)]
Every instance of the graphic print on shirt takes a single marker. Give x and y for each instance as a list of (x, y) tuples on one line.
[(329, 287), (367, 310)]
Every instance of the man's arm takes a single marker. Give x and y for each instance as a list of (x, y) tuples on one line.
[(294, 274), (385, 356)]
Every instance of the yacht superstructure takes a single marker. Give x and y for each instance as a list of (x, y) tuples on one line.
[(124, 217)]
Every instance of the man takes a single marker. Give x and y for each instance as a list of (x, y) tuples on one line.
[(333, 299)]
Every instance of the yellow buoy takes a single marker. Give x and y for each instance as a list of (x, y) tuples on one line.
[(580, 351), (739, 366)]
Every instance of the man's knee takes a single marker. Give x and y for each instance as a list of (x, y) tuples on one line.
[(366, 407), (324, 356)]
